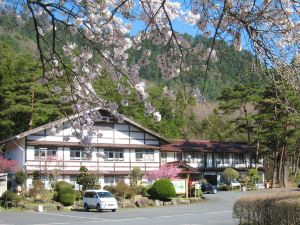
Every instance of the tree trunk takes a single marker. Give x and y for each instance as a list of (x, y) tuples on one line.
[(256, 155), (274, 176), (281, 165), (297, 163)]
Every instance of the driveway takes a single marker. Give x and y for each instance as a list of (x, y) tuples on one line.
[(216, 210)]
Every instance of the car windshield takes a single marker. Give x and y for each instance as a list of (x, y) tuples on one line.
[(105, 195)]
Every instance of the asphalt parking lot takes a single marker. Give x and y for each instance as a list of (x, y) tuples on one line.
[(216, 210)]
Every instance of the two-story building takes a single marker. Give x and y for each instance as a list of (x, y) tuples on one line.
[(210, 158), (118, 148)]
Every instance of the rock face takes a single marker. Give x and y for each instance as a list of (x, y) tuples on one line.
[(142, 202)]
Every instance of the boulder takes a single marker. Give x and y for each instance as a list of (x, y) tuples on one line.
[(168, 203), (194, 200), (185, 201), (142, 202), (176, 202), (126, 203), (151, 202), (157, 202), (136, 197)]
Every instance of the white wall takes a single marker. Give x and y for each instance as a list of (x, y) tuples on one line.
[(111, 134)]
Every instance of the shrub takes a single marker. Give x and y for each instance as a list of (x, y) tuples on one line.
[(21, 177), (66, 194), (142, 190), (199, 192), (78, 195), (10, 198), (58, 184), (110, 188), (162, 189), (230, 174), (275, 209), (124, 191), (38, 187), (224, 187)]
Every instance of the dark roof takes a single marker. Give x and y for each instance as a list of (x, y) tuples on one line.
[(76, 144), (185, 168), (65, 119), (205, 146)]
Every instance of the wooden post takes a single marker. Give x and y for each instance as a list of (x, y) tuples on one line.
[(187, 181)]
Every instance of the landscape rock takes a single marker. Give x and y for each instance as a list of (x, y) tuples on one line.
[(126, 203), (151, 202), (185, 201), (157, 202), (194, 200), (142, 202), (175, 201), (168, 203)]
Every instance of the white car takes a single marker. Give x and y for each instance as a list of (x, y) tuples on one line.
[(99, 200)]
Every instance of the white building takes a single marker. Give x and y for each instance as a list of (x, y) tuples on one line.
[(123, 145)]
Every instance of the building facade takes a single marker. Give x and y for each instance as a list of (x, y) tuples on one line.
[(117, 149), (210, 158)]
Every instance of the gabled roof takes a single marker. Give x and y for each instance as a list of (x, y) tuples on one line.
[(185, 168), (205, 146), (60, 121)]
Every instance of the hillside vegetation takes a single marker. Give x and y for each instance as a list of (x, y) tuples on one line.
[(25, 104)]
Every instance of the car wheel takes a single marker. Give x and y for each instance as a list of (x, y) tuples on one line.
[(98, 208), (113, 210), (86, 207)]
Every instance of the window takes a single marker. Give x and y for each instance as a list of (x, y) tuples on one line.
[(79, 154), (144, 155), (104, 195), (112, 180), (163, 157), (73, 180), (226, 159), (239, 159), (114, 154), (89, 194), (198, 157), (45, 153)]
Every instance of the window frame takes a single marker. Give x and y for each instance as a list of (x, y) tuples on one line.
[(114, 154), (43, 153), (81, 154), (142, 155)]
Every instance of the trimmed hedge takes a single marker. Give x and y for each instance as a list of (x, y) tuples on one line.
[(162, 189), (275, 209), (65, 193)]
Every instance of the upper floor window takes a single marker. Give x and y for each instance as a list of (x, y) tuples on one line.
[(114, 154), (112, 180), (193, 157), (144, 155), (45, 153), (79, 154)]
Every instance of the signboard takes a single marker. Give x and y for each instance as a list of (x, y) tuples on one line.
[(179, 186)]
